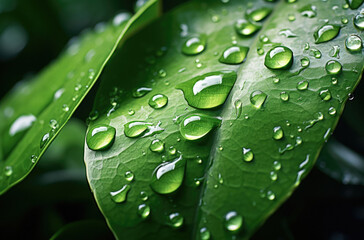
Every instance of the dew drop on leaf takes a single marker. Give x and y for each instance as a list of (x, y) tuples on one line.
[(259, 14), (194, 45), (143, 210), (270, 195), (277, 165), (208, 90), (287, 33), (279, 58), (354, 4), (305, 62), (168, 176), (205, 234), (44, 140), (143, 196), (308, 11), (326, 33), (234, 55), (273, 176), (158, 101), (129, 176), (119, 196), (175, 220), (278, 133), (100, 137), (302, 85), (359, 21), (248, 155), (332, 111), (140, 92), (233, 221), (157, 146), (257, 98), (333, 67), (284, 96), (325, 95), (353, 43), (238, 108), (135, 128), (246, 28), (33, 158), (8, 171), (196, 126)]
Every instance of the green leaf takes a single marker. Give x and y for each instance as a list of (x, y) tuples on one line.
[(36, 110), (274, 122)]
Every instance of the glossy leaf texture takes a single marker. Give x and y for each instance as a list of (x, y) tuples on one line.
[(36, 110), (245, 150)]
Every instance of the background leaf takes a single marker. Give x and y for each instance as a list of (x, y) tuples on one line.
[(30, 107)]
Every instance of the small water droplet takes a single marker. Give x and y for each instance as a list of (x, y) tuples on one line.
[(44, 140), (157, 146), (333, 67), (334, 80), (220, 148), (278, 133), (248, 155), (143, 210), (246, 28), (308, 11), (194, 45), (260, 51), (353, 43), (158, 101), (270, 195), (100, 137), (359, 21), (335, 51), (234, 55), (279, 58), (172, 150), (175, 220), (273, 176), (344, 20), (8, 171), (332, 111), (33, 158), (129, 176), (233, 221), (257, 98), (120, 195), (291, 17), (276, 80), (143, 196), (325, 95), (277, 165), (354, 4), (259, 14), (162, 73), (140, 92), (305, 62), (65, 108), (205, 234), (53, 124), (135, 128), (326, 33), (287, 33), (302, 85)]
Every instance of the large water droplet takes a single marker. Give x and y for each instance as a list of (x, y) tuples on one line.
[(194, 45), (248, 155), (279, 58), (259, 14), (326, 33), (234, 55), (158, 101), (143, 210), (100, 137), (354, 4), (233, 221), (353, 43), (135, 128), (120, 195), (308, 11), (209, 90), (333, 67), (257, 98), (246, 28), (168, 176), (197, 125), (278, 133), (157, 146), (175, 220)]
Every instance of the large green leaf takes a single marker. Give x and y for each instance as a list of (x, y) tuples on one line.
[(217, 182), (35, 111)]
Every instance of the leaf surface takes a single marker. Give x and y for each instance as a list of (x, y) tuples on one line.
[(218, 183)]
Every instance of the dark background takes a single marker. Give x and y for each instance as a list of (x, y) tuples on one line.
[(33, 33)]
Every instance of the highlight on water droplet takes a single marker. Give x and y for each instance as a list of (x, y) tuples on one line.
[(284, 96), (168, 176), (246, 28), (333, 67), (259, 14), (135, 128), (143, 210), (270, 195), (194, 45), (280, 57), (248, 155), (308, 11), (119, 196), (208, 90), (157, 146), (140, 92), (332, 111), (234, 55), (302, 85), (326, 33), (257, 98), (325, 94), (175, 220), (100, 137), (129, 176), (197, 125), (278, 133), (233, 221), (158, 101), (353, 43), (205, 234)]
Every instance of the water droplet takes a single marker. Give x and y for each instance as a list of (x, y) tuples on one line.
[(305, 62), (334, 80), (325, 95), (260, 51), (143, 210), (302, 85), (279, 58), (277, 165), (333, 67), (291, 17), (100, 137), (120, 195), (298, 140), (335, 51), (157, 146), (257, 98), (354, 4), (143, 196), (238, 108), (205, 234), (288, 147), (326, 33), (263, 38), (259, 14), (33, 158), (135, 128), (140, 92), (121, 18), (287, 33), (208, 90), (359, 21), (234, 55), (273, 176), (44, 140), (270, 195), (246, 28), (197, 125), (65, 108), (175, 220), (332, 111), (158, 101), (353, 43), (129, 176), (278, 133), (344, 20), (168, 176), (172, 150), (194, 45), (308, 11), (8, 171), (247, 155), (284, 96), (162, 73), (233, 221), (53, 124), (276, 80)]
